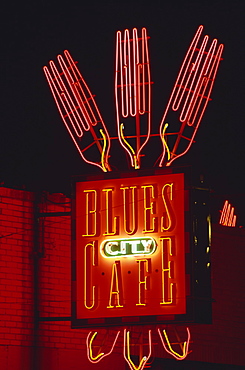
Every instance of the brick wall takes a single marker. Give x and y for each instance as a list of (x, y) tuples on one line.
[(35, 307), (27, 298), (16, 264)]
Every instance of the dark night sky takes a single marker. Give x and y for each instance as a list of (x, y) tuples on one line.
[(36, 150)]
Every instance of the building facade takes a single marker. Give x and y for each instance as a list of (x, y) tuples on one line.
[(35, 309)]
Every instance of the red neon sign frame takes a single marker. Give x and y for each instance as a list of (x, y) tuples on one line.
[(117, 223)]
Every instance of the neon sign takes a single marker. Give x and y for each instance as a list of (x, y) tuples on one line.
[(133, 93), (130, 254), (164, 339), (130, 258), (126, 352), (189, 97), (168, 348), (128, 247), (79, 112), (97, 358), (227, 217)]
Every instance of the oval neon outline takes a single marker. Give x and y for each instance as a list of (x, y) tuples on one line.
[(122, 251)]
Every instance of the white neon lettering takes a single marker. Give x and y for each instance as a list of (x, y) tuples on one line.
[(123, 247), (134, 245), (128, 247), (147, 245), (108, 248)]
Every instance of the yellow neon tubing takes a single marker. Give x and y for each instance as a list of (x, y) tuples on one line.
[(143, 360), (164, 141), (136, 166), (102, 354), (165, 204), (129, 358), (171, 351), (103, 151), (85, 276), (90, 349)]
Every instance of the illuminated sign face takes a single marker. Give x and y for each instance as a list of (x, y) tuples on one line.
[(129, 247)]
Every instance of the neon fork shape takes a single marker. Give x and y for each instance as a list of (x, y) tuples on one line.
[(133, 93), (101, 355), (169, 348), (190, 95), (126, 352), (79, 111)]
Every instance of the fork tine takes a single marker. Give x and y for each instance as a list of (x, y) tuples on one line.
[(58, 99), (79, 103), (144, 85), (205, 88), (144, 91), (121, 85), (199, 106), (79, 84), (133, 89), (58, 90), (127, 72), (177, 92), (78, 109), (67, 88), (192, 82), (192, 89), (135, 74), (186, 65), (73, 109)]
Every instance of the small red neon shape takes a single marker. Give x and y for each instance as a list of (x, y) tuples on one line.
[(169, 348), (79, 111), (99, 356), (190, 95), (133, 93), (227, 217)]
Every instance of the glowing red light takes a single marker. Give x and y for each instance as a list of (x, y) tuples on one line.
[(191, 93), (133, 92), (79, 111), (227, 217)]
